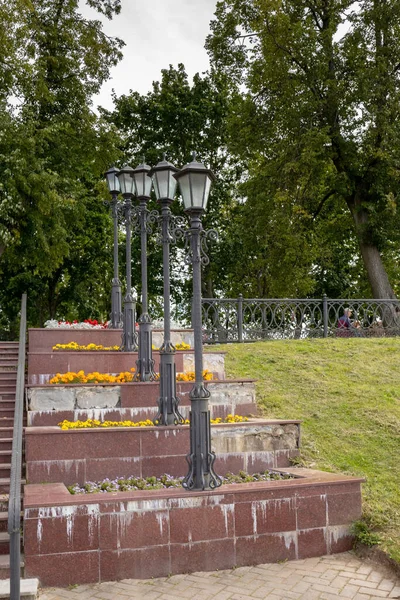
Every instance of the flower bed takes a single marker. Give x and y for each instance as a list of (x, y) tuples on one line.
[(123, 377), (128, 484), (95, 377), (140, 534), (93, 423), (75, 347), (86, 324), (191, 376)]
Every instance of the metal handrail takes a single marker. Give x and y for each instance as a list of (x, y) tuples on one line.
[(14, 502)]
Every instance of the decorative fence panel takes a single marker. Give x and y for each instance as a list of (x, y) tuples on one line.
[(249, 319)]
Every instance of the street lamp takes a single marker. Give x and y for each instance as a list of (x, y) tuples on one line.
[(114, 189), (164, 187), (145, 362), (126, 182), (195, 182)]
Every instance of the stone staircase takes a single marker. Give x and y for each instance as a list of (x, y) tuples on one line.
[(8, 381)]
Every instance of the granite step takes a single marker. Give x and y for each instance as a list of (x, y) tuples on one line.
[(7, 404), (5, 573), (5, 486), (5, 455), (4, 542)]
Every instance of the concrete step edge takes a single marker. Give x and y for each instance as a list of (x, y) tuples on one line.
[(28, 588)]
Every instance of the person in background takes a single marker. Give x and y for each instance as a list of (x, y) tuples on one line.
[(344, 324)]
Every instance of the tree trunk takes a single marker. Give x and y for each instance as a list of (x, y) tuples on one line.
[(377, 276)]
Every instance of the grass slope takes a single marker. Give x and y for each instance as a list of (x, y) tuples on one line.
[(347, 394)]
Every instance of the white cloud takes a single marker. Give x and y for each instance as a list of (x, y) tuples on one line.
[(157, 33)]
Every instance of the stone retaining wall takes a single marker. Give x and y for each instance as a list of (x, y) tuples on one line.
[(106, 537), (76, 456), (48, 405)]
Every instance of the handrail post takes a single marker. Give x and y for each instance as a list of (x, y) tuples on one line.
[(14, 502), (240, 318), (325, 314)]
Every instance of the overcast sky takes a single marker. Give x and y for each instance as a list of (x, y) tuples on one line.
[(157, 33)]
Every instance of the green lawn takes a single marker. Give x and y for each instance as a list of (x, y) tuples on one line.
[(346, 392)]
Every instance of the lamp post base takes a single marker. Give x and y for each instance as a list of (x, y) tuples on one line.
[(168, 413), (145, 362), (201, 475), (128, 336), (116, 313)]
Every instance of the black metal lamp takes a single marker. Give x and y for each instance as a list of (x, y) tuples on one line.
[(127, 185), (145, 362), (113, 187), (163, 180), (195, 183), (112, 181), (164, 187)]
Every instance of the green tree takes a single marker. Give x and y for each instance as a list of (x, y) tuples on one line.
[(53, 148), (318, 124)]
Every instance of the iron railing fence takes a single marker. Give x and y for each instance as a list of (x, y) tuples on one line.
[(14, 500), (249, 319)]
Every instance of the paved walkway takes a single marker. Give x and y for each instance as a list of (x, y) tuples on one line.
[(326, 578)]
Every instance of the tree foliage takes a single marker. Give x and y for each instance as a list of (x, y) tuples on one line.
[(318, 122), (53, 148)]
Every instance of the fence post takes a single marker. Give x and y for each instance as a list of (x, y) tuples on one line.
[(240, 318), (325, 314)]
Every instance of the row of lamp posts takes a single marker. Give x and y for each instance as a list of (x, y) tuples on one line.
[(195, 182)]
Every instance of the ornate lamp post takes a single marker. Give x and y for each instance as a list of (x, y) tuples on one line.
[(114, 189), (195, 182), (145, 362), (126, 182), (164, 186)]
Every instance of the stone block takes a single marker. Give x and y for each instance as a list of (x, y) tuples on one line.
[(28, 589), (56, 398), (233, 393), (193, 557), (312, 542), (212, 362), (253, 439), (98, 397)]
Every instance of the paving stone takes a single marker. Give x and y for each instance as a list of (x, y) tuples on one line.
[(386, 584), (375, 592), (326, 578), (349, 591)]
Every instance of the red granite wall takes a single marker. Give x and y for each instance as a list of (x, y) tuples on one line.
[(105, 537), (50, 363), (75, 456), (45, 339)]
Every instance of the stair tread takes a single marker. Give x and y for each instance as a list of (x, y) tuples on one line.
[(5, 560), (4, 516)]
